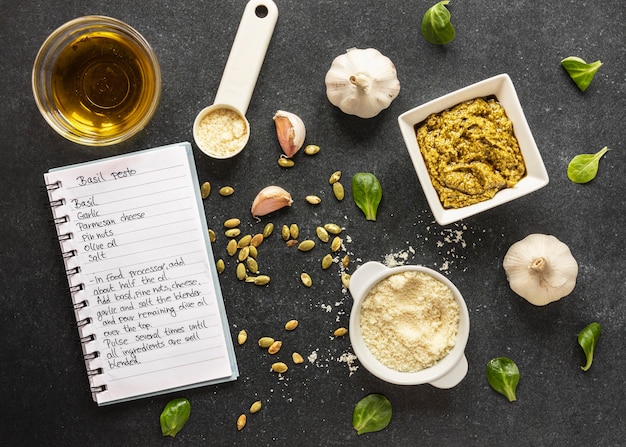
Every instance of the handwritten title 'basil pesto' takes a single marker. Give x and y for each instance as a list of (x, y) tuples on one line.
[(99, 177)]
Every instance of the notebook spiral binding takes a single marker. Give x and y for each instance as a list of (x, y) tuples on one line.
[(76, 286)]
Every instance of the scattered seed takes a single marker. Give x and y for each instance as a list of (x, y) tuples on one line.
[(232, 223), (243, 254), (268, 229), (261, 280), (212, 235), (313, 200), (219, 265), (232, 232), (306, 245), (335, 176), (205, 190), (253, 251), (244, 241), (340, 332), (275, 347), (338, 191), (256, 407), (265, 342), (241, 272), (322, 234), (231, 248), (297, 358), (285, 162), (241, 422), (291, 243), (252, 265), (256, 240), (345, 261), (335, 245), (226, 191), (291, 325), (294, 231), (306, 279), (242, 337), (284, 232), (311, 149), (345, 280), (332, 228), (279, 367), (327, 261)]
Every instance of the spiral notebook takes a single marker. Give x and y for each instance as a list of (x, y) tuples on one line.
[(141, 274)]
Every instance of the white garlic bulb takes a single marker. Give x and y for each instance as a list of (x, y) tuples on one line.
[(541, 269), (290, 131), (362, 82)]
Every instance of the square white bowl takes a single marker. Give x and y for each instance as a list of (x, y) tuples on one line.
[(502, 88)]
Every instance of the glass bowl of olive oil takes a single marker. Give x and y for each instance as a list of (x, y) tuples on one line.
[(96, 81)]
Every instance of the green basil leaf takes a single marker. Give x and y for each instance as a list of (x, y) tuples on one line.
[(587, 339), (174, 416), (436, 25), (584, 167), (503, 376), (581, 72), (372, 413), (367, 193)]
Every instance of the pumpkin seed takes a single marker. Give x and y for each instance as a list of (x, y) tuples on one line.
[(226, 191), (231, 248), (332, 228), (219, 265), (242, 337), (306, 279), (241, 421), (297, 358), (340, 332), (335, 176), (327, 261), (268, 229), (345, 261), (311, 149), (294, 231), (232, 232), (241, 272), (212, 235), (338, 191), (261, 280), (205, 190), (244, 241), (313, 200), (322, 234), (345, 280), (279, 367), (253, 251), (232, 223), (284, 232), (274, 347), (306, 245), (291, 243), (291, 325), (285, 162), (265, 342), (252, 265), (243, 254), (256, 407), (256, 240), (335, 245)]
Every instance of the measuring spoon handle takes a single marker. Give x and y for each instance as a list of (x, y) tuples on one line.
[(247, 54)]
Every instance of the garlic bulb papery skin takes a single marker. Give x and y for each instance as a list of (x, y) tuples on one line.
[(541, 269), (290, 131), (270, 198), (362, 82)]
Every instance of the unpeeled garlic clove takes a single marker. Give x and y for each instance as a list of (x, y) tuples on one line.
[(269, 199), (290, 131)]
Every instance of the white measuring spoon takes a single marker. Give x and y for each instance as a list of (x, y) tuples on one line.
[(222, 130)]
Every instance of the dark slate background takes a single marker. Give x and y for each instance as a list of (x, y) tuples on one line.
[(45, 398)]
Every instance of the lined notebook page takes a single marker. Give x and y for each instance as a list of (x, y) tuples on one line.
[(146, 293)]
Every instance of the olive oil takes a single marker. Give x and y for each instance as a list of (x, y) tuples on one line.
[(103, 84)]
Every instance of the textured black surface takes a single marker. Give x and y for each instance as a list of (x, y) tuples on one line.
[(42, 377)]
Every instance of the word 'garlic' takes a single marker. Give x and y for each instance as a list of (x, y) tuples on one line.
[(270, 198), (541, 269), (362, 82), (290, 131)]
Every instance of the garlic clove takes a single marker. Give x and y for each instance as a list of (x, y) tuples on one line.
[(290, 131), (269, 199), (541, 269)]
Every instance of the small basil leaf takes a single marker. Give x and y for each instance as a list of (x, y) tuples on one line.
[(584, 167), (581, 72), (372, 413), (174, 416), (436, 25), (367, 193), (587, 339), (503, 376)]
